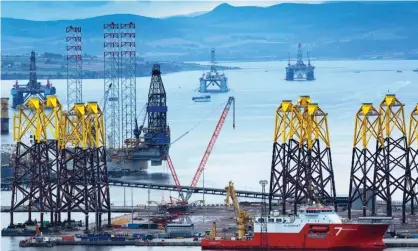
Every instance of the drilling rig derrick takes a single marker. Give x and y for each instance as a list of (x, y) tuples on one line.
[(154, 141), (22, 93), (213, 79)]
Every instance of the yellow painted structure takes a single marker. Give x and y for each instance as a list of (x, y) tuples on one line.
[(413, 128), (367, 126), (243, 219), (38, 118)]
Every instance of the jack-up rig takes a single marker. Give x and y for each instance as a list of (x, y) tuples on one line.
[(21, 93), (184, 198), (300, 71), (213, 78), (152, 141)]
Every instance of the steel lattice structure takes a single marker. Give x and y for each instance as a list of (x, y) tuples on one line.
[(111, 84), (36, 161), (319, 183), (157, 132), (302, 169), (74, 65), (97, 143), (412, 161), (264, 244), (287, 135), (65, 165), (83, 175), (391, 176), (367, 154), (128, 78)]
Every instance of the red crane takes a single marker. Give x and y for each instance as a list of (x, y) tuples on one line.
[(231, 101), (176, 179)]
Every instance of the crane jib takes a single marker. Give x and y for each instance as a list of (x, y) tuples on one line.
[(231, 101)]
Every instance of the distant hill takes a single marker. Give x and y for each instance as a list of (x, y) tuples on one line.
[(345, 29)]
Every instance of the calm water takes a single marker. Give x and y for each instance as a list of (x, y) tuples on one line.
[(244, 154)]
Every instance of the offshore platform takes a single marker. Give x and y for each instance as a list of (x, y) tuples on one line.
[(21, 93), (152, 141), (213, 79), (300, 71)]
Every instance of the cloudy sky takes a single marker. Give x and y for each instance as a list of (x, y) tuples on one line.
[(55, 10)]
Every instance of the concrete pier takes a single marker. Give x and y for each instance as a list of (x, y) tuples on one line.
[(396, 243)]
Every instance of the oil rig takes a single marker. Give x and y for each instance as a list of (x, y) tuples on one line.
[(300, 71), (152, 141), (213, 79), (21, 93)]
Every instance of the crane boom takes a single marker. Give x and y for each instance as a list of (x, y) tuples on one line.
[(243, 218), (231, 101), (174, 174), (106, 94)]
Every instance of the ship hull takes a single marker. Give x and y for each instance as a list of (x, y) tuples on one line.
[(338, 236)]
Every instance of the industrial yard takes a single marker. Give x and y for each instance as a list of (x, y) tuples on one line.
[(231, 213), (72, 149)]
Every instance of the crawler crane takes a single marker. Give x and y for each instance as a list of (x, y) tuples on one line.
[(243, 219), (186, 197)]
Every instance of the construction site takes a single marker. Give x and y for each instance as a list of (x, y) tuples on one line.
[(64, 153)]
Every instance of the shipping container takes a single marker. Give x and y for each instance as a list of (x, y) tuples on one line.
[(4, 108), (39, 239), (4, 125), (163, 236), (119, 238), (133, 225), (415, 236), (68, 238), (138, 236)]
